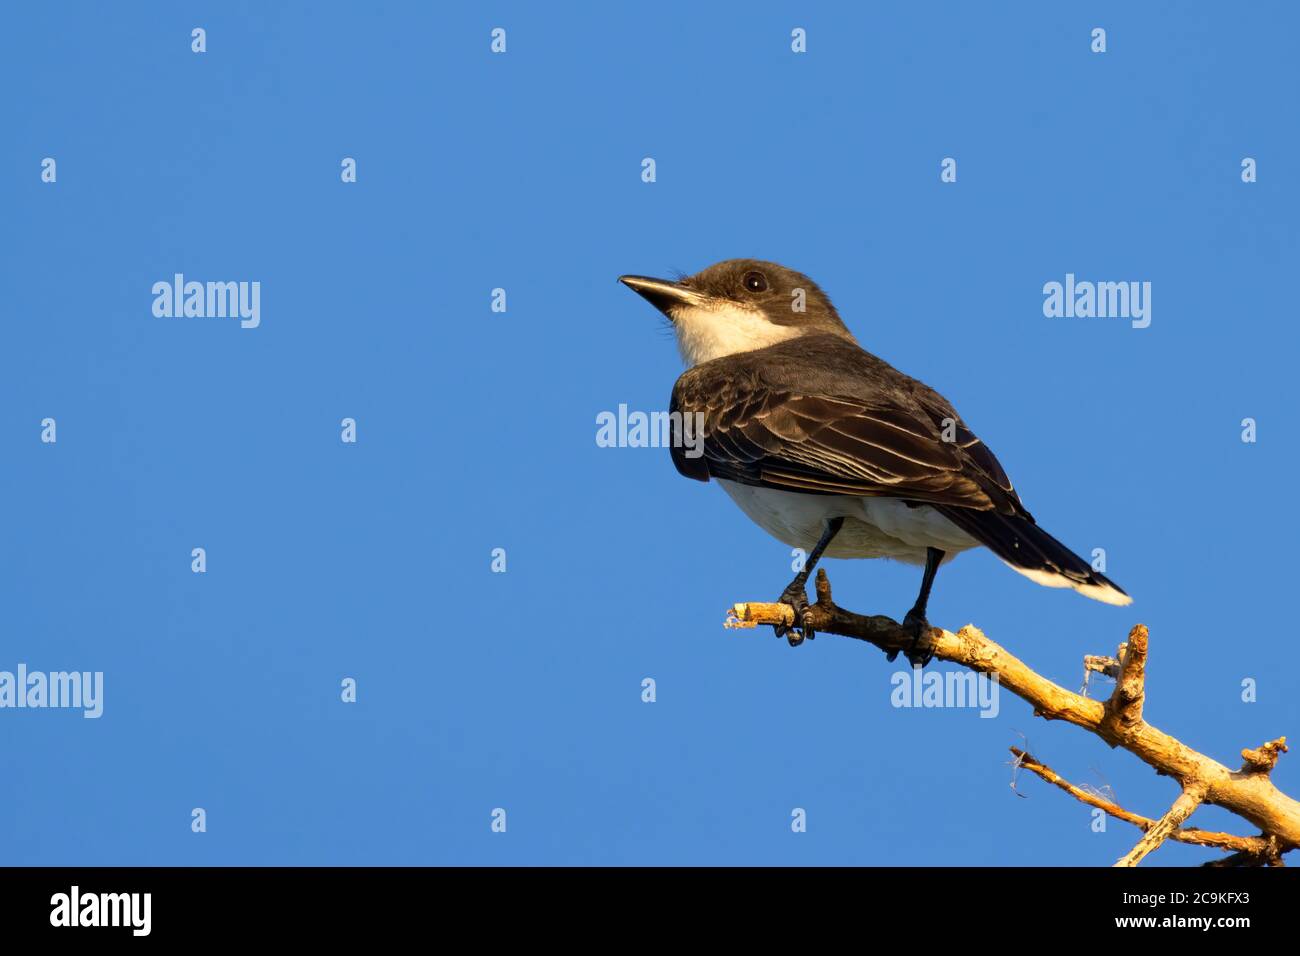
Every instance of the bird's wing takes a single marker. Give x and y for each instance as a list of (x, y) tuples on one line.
[(899, 440)]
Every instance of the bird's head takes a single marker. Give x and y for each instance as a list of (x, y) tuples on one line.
[(737, 306)]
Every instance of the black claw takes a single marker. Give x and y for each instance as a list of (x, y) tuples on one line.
[(918, 626), (915, 621), (796, 596)]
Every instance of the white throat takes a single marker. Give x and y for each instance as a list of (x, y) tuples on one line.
[(707, 332)]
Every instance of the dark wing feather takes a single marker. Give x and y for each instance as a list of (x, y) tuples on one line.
[(834, 420)]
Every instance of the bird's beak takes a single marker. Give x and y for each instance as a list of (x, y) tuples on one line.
[(663, 295)]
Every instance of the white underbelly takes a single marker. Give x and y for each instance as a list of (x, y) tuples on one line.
[(873, 527)]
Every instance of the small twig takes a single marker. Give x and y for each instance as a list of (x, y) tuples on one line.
[(1252, 846)]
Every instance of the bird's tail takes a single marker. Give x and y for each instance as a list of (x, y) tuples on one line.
[(1033, 552)]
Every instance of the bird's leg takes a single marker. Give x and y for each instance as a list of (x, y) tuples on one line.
[(796, 594), (915, 620)]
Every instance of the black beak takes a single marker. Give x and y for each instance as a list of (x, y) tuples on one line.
[(663, 295)]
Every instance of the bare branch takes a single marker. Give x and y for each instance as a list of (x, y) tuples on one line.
[(1249, 793), (1271, 855), (1183, 808), (1250, 846)]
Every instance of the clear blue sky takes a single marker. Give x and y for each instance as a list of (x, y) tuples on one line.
[(476, 430)]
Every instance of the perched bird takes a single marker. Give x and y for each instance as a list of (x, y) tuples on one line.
[(828, 448)]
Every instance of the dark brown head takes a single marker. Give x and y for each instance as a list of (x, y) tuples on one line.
[(739, 305)]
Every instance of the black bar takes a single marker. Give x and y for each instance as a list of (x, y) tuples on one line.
[(207, 905)]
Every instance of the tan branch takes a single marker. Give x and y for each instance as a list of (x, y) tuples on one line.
[(1271, 855), (1250, 846), (1183, 808), (1249, 793)]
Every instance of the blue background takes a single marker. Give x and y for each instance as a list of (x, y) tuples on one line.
[(477, 430)]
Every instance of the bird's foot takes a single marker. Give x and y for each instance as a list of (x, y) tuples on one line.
[(916, 624), (796, 595)]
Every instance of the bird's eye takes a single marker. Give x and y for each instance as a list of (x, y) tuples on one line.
[(755, 282)]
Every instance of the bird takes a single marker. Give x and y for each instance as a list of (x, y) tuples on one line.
[(830, 449)]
